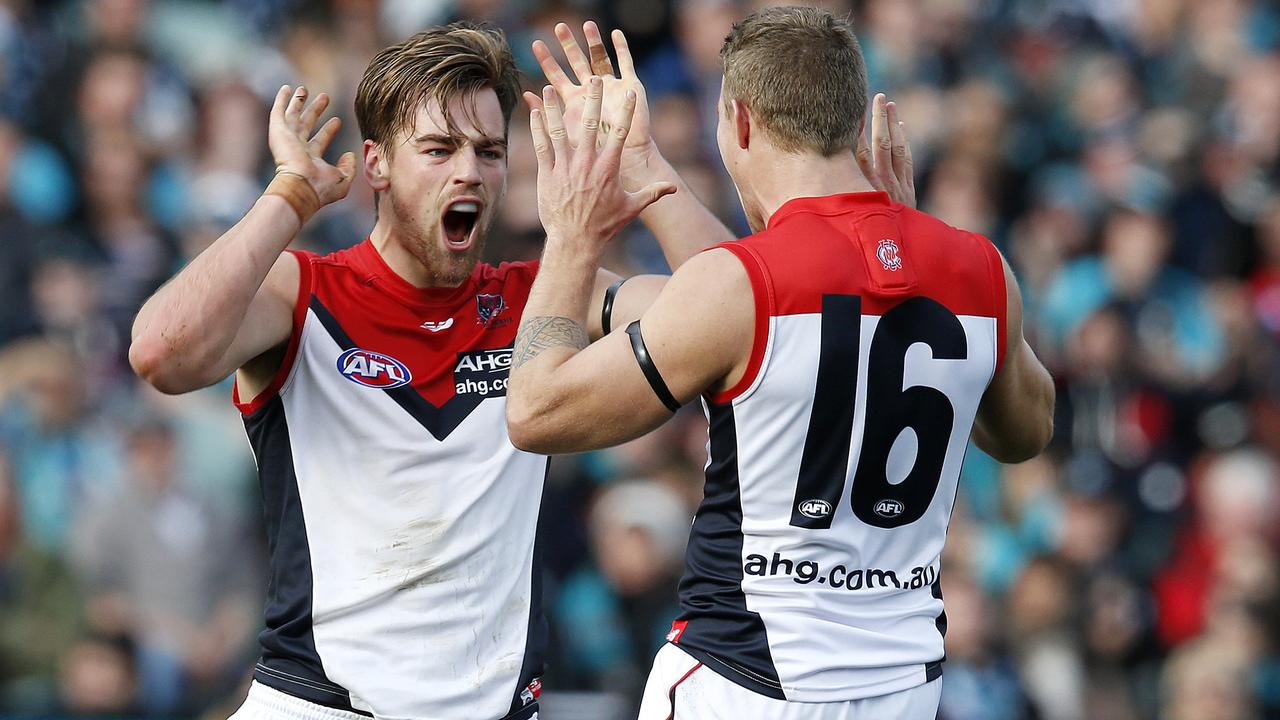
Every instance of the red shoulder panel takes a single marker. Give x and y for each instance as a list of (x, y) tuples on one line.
[(305, 276), (762, 294), (427, 331)]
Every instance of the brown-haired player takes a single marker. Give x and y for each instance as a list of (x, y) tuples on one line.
[(400, 519), (845, 354)]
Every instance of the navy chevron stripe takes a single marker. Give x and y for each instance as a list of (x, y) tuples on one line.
[(439, 421)]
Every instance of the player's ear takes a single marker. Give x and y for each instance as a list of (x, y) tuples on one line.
[(375, 166), (742, 123)]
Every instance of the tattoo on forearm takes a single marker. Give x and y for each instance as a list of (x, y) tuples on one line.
[(539, 333)]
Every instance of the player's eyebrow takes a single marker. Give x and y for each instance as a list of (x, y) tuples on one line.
[(484, 141)]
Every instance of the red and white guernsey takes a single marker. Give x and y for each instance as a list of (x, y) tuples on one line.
[(812, 570), (400, 517)]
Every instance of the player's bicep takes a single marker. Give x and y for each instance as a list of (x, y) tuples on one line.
[(599, 398), (1015, 418), (267, 326), (698, 332), (695, 334)]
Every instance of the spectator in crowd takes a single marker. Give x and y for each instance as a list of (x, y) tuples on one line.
[(168, 569), (98, 677), (40, 609), (625, 593)]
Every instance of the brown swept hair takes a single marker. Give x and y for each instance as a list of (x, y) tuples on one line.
[(438, 64), (800, 70)]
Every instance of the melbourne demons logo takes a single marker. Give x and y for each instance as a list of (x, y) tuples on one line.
[(887, 252), (489, 307), (372, 369)]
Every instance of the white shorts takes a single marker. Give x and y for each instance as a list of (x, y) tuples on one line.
[(266, 703), (681, 688)]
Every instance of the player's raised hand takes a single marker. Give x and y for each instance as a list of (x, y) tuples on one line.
[(570, 85), (580, 194), (886, 161), (298, 151)]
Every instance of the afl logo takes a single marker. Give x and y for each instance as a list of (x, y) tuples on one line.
[(815, 508), (887, 252), (372, 369), (889, 508)]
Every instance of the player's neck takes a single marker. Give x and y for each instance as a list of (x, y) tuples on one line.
[(792, 176), (394, 251)]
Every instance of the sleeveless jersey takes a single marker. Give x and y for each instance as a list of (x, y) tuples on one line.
[(812, 568), (400, 517)]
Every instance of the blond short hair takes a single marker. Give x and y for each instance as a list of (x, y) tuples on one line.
[(800, 70)]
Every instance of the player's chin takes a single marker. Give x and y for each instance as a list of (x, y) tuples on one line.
[(456, 265)]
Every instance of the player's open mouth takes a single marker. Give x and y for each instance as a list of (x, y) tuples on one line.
[(458, 224)]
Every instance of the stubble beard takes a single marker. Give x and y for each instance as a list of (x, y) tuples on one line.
[(445, 268)]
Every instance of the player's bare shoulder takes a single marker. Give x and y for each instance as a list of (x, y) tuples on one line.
[(285, 276)]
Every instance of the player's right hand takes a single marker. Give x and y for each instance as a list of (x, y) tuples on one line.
[(581, 200), (571, 86), (296, 150), (886, 162)]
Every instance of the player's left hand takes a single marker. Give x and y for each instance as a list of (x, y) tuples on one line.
[(570, 85), (581, 199), (886, 162)]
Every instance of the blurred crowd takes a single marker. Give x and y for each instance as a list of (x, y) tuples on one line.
[(1123, 154)]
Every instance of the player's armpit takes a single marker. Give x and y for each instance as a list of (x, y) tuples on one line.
[(698, 333), (1015, 419), (629, 301)]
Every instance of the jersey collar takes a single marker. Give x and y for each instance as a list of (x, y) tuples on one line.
[(373, 265), (829, 205)]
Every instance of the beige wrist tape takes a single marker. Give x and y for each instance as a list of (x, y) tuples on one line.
[(297, 191)]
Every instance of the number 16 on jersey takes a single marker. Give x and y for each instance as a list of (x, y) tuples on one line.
[(920, 378)]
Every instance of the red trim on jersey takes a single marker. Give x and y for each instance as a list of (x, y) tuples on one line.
[(425, 329), (838, 204), (366, 259), (762, 294), (809, 233), (999, 301), (671, 694), (301, 303)]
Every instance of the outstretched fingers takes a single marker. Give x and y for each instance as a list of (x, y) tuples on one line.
[(311, 115), (600, 62), (611, 158), (625, 64), (865, 162), (293, 111), (591, 120), (901, 151), (281, 102), (541, 141), (325, 135), (550, 66), (573, 52), (553, 116), (882, 145)]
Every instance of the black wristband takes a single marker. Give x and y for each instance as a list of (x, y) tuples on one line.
[(649, 369), (606, 312)]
